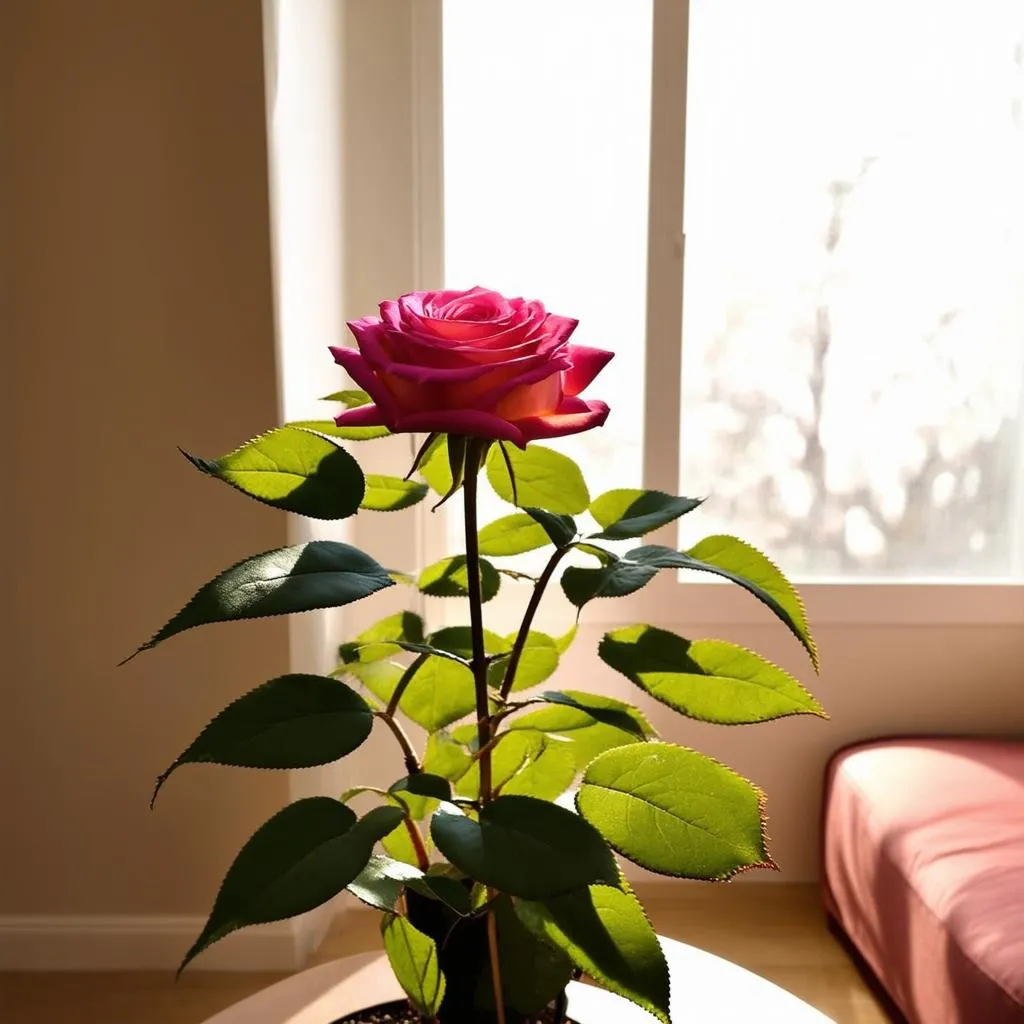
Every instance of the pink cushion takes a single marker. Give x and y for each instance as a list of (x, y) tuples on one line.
[(924, 870)]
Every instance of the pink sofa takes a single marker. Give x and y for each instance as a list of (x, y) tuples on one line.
[(924, 873)]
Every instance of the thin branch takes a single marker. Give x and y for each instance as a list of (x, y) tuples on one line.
[(412, 764), (531, 611)]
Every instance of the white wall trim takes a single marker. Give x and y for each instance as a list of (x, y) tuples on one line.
[(128, 942)]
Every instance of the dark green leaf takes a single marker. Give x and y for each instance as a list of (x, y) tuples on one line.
[(294, 721), (533, 973), (413, 958), (437, 885), (744, 565), (674, 811), (423, 784), (302, 857), (589, 722), (606, 934), (391, 493), (292, 470), (524, 847), (512, 535), (380, 883), (545, 479), (628, 513), (561, 530), (320, 574), (450, 578), (615, 580), (331, 431), (710, 680)]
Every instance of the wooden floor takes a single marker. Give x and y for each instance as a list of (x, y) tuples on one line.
[(775, 930)]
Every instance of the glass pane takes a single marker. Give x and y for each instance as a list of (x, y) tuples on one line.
[(546, 140), (853, 351)]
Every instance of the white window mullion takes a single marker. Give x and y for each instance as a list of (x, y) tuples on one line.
[(665, 246)]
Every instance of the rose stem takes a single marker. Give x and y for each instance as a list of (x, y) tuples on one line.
[(479, 664)]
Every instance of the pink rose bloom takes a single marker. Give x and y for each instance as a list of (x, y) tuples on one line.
[(473, 363)]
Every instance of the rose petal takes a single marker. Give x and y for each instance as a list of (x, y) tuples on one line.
[(362, 416), (469, 422), (569, 419), (505, 369), (559, 327), (371, 337), (587, 363), (359, 370)]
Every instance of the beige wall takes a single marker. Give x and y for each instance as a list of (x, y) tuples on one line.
[(138, 316)]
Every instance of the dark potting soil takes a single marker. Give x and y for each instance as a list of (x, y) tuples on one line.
[(400, 1012)]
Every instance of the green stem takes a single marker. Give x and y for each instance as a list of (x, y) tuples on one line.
[(476, 618), (531, 611), (474, 451)]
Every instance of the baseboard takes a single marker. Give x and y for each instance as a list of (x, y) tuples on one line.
[(128, 942)]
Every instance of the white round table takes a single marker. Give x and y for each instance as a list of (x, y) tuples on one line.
[(705, 990)]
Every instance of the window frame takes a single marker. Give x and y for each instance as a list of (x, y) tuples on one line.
[(691, 600)]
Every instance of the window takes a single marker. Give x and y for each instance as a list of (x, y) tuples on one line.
[(853, 341)]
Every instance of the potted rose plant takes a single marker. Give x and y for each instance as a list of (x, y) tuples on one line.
[(494, 889)]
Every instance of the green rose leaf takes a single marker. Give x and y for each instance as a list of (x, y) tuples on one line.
[(294, 721), (398, 844), (413, 958), (320, 574), (538, 662), (674, 811), (744, 565), (302, 857), (545, 479), (330, 431), (435, 466), (379, 677), (606, 934), (564, 642), (710, 680), (380, 883), (350, 398), (533, 973), (423, 784), (369, 645), (590, 723), (512, 535), (561, 530), (604, 556), (510, 756), (458, 640), (524, 847), (445, 757), (615, 580), (450, 578), (547, 775), (292, 470), (627, 512), (391, 493), (440, 691)]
